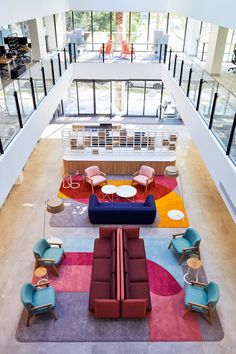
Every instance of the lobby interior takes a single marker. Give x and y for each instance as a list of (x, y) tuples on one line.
[(37, 160)]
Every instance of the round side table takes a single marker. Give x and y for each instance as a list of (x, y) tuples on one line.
[(42, 274), (193, 264), (108, 191)]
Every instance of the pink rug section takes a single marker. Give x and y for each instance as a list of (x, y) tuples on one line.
[(72, 278), (161, 282), (78, 258), (166, 322)]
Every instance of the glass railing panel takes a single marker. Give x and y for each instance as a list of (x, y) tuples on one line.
[(9, 122), (194, 86), (36, 74), (185, 76), (55, 67), (232, 153), (24, 92), (223, 117), (177, 69)]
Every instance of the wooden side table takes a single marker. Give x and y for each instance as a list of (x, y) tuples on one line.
[(42, 274), (193, 264)]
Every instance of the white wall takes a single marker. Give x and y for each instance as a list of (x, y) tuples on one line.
[(214, 11), (19, 150)]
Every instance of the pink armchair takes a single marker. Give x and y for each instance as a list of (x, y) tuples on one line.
[(144, 176), (94, 176)]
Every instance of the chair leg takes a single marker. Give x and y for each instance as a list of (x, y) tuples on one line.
[(28, 318), (209, 317), (187, 312), (170, 244), (52, 313), (92, 188), (181, 258), (55, 268), (146, 188)]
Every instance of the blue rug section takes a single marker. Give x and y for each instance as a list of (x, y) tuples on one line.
[(78, 244), (158, 252)]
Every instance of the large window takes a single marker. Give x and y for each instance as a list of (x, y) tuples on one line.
[(176, 31)]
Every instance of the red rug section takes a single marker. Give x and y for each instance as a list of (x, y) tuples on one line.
[(161, 282), (166, 321), (163, 186)]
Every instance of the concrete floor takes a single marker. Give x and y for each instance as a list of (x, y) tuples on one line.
[(21, 224)]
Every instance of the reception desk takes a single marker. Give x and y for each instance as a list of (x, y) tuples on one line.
[(117, 163)]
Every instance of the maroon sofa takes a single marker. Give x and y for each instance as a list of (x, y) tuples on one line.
[(135, 293), (104, 299), (119, 285)]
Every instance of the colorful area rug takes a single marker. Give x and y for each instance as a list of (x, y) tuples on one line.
[(75, 323), (165, 192)]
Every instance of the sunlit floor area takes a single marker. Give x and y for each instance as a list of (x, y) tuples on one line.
[(21, 222)]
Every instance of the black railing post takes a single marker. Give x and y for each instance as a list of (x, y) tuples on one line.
[(65, 59), (165, 53), (203, 51), (160, 53), (18, 109), (189, 81), (213, 110), (59, 63), (53, 76), (44, 81), (132, 52), (70, 52), (75, 57), (175, 62), (231, 136), (199, 94), (181, 72), (169, 59), (1, 147), (103, 52), (33, 93)]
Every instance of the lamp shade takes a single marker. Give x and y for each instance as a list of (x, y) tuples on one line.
[(55, 205), (171, 171)]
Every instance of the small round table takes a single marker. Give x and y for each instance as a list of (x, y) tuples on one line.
[(108, 191), (55, 240), (194, 264), (42, 274), (67, 180), (126, 192), (175, 214)]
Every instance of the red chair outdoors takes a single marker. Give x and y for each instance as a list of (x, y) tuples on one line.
[(126, 49), (108, 49)]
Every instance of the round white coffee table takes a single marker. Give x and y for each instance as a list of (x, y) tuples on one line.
[(126, 192), (108, 191)]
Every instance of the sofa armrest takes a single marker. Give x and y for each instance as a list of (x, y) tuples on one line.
[(93, 200), (150, 201), (131, 232), (133, 308), (107, 308), (106, 232)]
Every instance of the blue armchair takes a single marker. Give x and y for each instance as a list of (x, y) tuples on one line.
[(46, 255), (37, 301), (202, 298), (188, 243)]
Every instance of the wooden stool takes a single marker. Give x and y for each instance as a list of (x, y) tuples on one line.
[(42, 274), (195, 264)]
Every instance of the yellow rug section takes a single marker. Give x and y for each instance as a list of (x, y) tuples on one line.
[(61, 195), (171, 201)]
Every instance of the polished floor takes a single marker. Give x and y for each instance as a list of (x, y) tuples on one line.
[(21, 223)]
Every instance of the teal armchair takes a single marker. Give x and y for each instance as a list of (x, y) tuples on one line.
[(46, 255), (38, 300), (202, 298), (188, 243)]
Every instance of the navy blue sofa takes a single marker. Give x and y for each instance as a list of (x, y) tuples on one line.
[(121, 212)]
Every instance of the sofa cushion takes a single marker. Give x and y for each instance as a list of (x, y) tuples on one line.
[(113, 261), (102, 248), (101, 269), (113, 238), (136, 248), (140, 290), (126, 260), (113, 286), (98, 290), (137, 269), (127, 292)]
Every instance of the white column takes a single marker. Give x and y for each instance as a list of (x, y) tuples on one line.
[(192, 35), (61, 30), (50, 32), (216, 48), (37, 36)]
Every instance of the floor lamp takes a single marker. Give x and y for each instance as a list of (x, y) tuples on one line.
[(53, 206), (173, 172)]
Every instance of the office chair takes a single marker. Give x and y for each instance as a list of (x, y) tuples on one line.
[(233, 61)]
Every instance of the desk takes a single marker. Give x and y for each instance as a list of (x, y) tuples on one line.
[(7, 61)]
